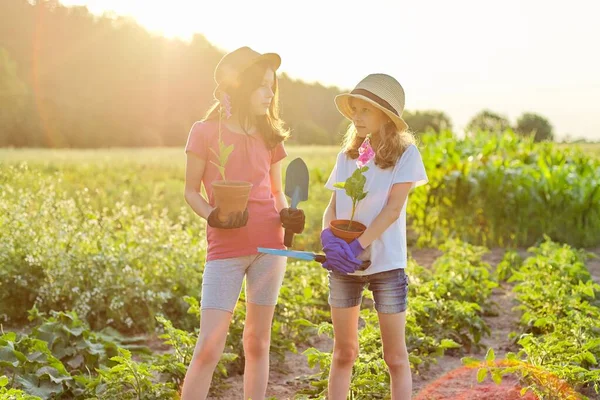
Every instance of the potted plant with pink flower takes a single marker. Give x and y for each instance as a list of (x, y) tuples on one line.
[(348, 229), (230, 196)]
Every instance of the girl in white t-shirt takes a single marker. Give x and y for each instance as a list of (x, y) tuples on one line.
[(375, 108)]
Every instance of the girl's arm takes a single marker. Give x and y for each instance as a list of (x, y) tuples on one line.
[(193, 176), (389, 214), (329, 214), (276, 188)]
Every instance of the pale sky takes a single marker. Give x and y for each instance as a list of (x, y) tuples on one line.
[(457, 56)]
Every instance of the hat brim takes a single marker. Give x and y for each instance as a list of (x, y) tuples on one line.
[(272, 59), (342, 102)]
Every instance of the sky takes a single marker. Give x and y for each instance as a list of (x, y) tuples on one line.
[(460, 56)]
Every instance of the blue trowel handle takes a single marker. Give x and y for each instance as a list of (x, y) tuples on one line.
[(295, 198)]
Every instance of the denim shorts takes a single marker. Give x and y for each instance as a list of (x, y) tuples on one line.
[(390, 290)]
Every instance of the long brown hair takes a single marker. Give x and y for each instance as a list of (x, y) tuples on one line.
[(389, 144), (269, 126)]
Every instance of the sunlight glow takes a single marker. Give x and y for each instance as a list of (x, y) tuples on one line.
[(459, 57)]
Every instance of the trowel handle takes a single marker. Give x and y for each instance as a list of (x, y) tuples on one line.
[(289, 238), (295, 198), (289, 235)]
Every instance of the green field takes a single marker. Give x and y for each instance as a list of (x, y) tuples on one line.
[(592, 149), (100, 251)]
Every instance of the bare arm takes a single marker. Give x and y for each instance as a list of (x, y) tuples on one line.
[(193, 176), (389, 214), (329, 214), (276, 188)]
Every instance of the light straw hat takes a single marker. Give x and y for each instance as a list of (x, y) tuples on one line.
[(233, 64), (380, 90)]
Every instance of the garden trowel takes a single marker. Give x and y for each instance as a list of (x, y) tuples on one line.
[(296, 188), (305, 255)]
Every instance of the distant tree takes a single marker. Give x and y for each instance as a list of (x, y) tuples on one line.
[(489, 121), (421, 121), (98, 81), (13, 100), (540, 127), (307, 132)]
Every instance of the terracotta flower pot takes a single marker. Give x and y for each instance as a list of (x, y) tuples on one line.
[(231, 196), (340, 228)]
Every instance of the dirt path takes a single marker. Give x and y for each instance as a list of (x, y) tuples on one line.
[(447, 379)]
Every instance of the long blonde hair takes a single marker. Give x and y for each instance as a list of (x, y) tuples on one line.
[(389, 144), (269, 126)]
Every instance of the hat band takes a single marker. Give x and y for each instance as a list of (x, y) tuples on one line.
[(376, 99)]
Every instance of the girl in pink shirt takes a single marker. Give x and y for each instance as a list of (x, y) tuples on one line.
[(247, 98)]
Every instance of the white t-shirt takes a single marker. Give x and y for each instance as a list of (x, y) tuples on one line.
[(387, 252)]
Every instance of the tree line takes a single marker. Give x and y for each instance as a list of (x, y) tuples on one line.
[(69, 78)]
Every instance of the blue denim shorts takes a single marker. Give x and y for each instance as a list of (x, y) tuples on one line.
[(390, 290)]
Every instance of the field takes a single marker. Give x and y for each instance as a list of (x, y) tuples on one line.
[(101, 265)]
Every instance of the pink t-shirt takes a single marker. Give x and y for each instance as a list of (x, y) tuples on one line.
[(250, 161)]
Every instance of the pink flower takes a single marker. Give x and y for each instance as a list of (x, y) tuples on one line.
[(226, 104), (365, 153)]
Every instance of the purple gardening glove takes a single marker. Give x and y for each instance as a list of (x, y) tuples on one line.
[(356, 247), (340, 255), (340, 258), (328, 237)]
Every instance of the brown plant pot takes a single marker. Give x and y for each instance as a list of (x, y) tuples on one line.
[(231, 196), (339, 227)]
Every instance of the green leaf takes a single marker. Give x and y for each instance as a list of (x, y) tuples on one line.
[(76, 331), (541, 322), (226, 152), (470, 361), (307, 292), (481, 374), (20, 356), (95, 348), (7, 357), (8, 337), (45, 389), (449, 344), (3, 381), (76, 362), (490, 356), (303, 322), (54, 375), (588, 291), (497, 377), (589, 357), (37, 356)]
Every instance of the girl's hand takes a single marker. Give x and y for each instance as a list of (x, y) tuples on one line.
[(356, 247), (340, 258), (327, 237), (292, 220), (234, 220)]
